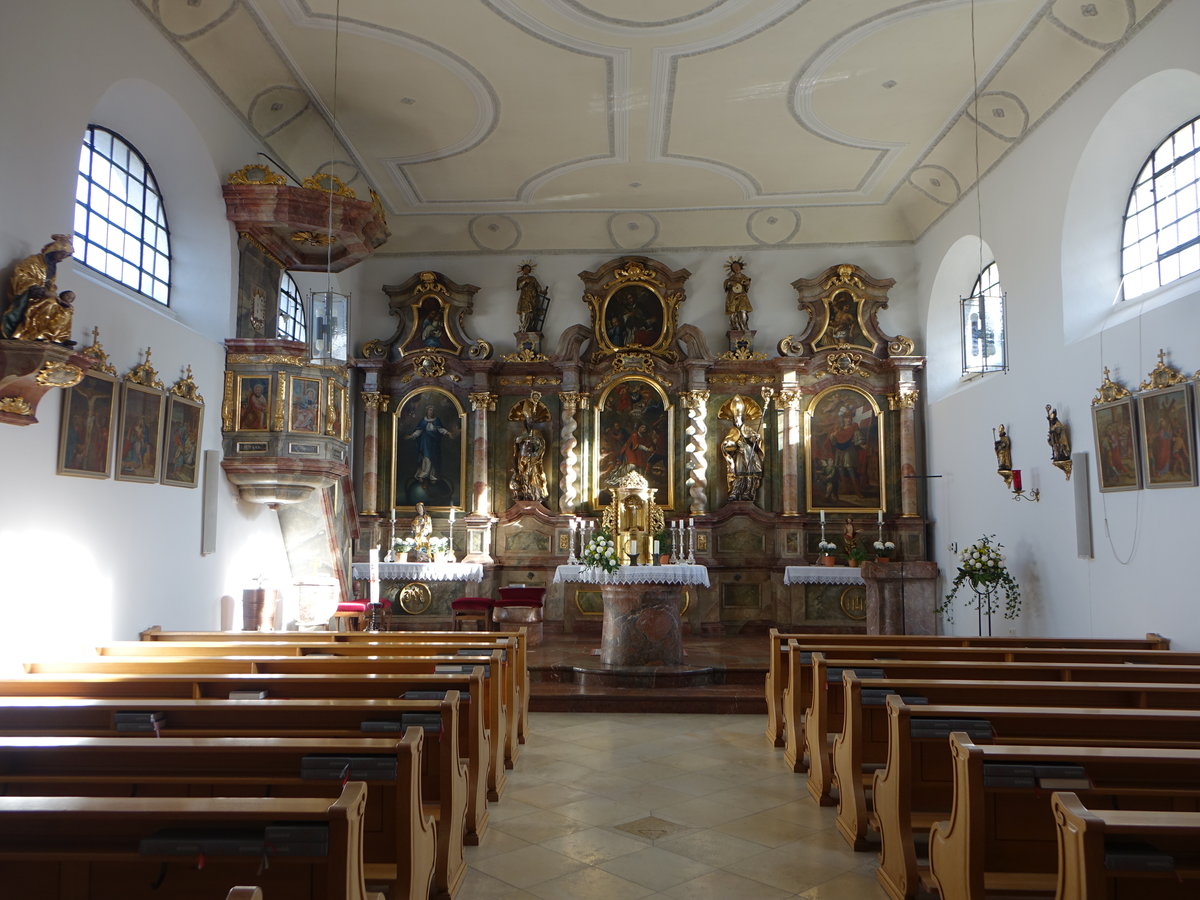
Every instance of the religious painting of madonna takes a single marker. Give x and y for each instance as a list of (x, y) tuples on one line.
[(633, 317), (428, 451), (181, 448), (634, 422), (1168, 437), (89, 414), (844, 441), (139, 441)]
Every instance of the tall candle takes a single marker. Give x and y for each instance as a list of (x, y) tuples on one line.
[(822, 517), (880, 518), (393, 516), (373, 556), (452, 514), (691, 523), (633, 547)]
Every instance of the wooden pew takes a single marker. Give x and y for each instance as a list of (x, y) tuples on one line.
[(495, 710), (397, 842), (1104, 854), (823, 718), (913, 790), (305, 686), (797, 695), (362, 639), (446, 767), (1001, 837), (88, 848), (777, 669)]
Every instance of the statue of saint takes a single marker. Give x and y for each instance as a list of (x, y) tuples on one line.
[(527, 474), (35, 310), (737, 295), (1060, 444), (529, 295), (422, 526), (742, 448), (1003, 445)]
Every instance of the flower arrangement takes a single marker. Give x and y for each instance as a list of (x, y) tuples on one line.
[(981, 565), (601, 553), (884, 549), (827, 548)]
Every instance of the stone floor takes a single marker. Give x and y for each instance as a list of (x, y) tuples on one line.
[(619, 806)]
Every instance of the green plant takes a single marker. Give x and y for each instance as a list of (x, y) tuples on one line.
[(601, 553), (856, 553), (981, 566)]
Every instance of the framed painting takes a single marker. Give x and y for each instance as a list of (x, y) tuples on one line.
[(181, 444), (1168, 437), (634, 422), (844, 448), (1115, 427), (634, 317), (305, 412), (431, 327), (429, 454), (88, 420), (139, 445), (254, 402)]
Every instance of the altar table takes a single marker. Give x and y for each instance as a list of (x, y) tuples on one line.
[(822, 575), (641, 611), (431, 571)]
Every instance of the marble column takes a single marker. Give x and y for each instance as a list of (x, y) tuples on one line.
[(373, 404), (793, 436), (482, 402), (569, 467), (904, 402), (697, 431)]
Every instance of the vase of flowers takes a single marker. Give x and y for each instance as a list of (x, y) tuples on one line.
[(827, 549), (982, 568), (601, 553), (884, 550)]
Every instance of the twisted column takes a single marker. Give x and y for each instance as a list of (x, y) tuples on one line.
[(569, 467), (373, 403), (697, 432)]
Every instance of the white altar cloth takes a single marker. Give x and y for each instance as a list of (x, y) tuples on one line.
[(409, 571), (822, 575), (634, 575)]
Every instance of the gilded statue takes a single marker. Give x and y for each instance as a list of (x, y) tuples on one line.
[(1003, 445), (529, 296), (422, 526), (527, 474), (742, 447), (36, 311), (737, 295), (1060, 444)]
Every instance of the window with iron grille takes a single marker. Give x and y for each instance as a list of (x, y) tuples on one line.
[(291, 324), (984, 341)]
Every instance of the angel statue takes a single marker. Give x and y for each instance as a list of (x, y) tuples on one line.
[(742, 447)]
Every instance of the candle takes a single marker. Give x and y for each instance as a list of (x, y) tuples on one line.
[(691, 523), (393, 516), (1016, 480), (373, 556), (452, 514), (822, 517), (633, 546), (880, 518)]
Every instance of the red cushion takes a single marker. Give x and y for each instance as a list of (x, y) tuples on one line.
[(358, 606), (471, 603), (521, 596), (529, 603)]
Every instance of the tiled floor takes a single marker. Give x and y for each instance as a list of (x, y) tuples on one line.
[(625, 805)]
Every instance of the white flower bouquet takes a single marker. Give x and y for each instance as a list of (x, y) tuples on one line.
[(601, 553), (884, 549), (981, 565)]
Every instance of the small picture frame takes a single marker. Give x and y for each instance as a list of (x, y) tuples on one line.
[(139, 441), (1168, 437), (1118, 461), (254, 403), (181, 444), (306, 415), (89, 420)]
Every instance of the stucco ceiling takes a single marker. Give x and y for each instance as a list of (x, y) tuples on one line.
[(585, 125)]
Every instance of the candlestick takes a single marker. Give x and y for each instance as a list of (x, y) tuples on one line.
[(691, 556), (452, 514), (880, 517), (822, 517)]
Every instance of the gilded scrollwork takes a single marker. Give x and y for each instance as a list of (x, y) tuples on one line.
[(846, 362), (1110, 390), (255, 173), (228, 402), (18, 406), (741, 378), (902, 346), (483, 401), (789, 346), (525, 355), (330, 184), (60, 374), (144, 373), (1162, 375), (95, 353), (480, 349), (280, 401), (375, 349), (186, 388)]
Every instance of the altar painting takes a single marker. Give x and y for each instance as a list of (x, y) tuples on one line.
[(428, 451), (634, 424), (844, 452), (633, 317)]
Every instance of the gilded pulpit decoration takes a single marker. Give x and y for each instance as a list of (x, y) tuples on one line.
[(36, 310), (742, 447), (278, 416), (228, 402), (54, 373), (1059, 440), (527, 471)]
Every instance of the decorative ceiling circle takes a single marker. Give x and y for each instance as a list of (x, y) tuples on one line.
[(1099, 23), (937, 183), (494, 232), (635, 13), (632, 230), (276, 107), (776, 225), (1002, 114), (186, 19)]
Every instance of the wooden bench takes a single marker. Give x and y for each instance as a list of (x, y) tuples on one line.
[(520, 636), (798, 693), (1001, 838), (96, 848), (777, 670), (1106, 853), (913, 790), (823, 718), (305, 686), (398, 841), (495, 710)]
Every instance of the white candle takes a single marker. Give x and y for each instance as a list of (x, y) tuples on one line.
[(880, 517), (691, 523), (822, 517), (633, 546), (452, 514), (393, 516), (374, 563)]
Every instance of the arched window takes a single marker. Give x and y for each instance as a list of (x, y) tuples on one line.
[(1162, 220), (120, 225), (291, 324), (984, 341)]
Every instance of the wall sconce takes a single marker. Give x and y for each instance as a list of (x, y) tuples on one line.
[(1035, 495)]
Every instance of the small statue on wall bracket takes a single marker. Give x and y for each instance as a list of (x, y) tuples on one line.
[(36, 311), (1059, 440), (1003, 446)]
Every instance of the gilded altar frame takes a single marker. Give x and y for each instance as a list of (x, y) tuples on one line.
[(633, 433), (634, 304), (449, 485), (843, 441)]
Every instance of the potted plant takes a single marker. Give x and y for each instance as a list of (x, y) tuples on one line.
[(856, 555), (884, 550), (981, 567), (827, 549)]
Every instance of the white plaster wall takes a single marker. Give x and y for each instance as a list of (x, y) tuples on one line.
[(1051, 214), (102, 559)]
